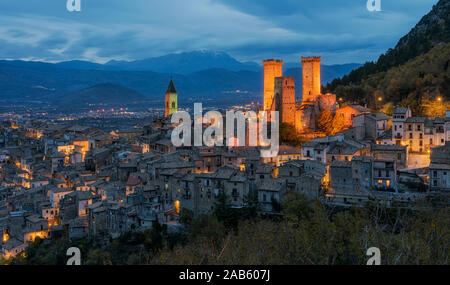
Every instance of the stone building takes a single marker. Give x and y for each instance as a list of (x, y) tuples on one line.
[(311, 78), (171, 104), (273, 68), (439, 169), (279, 94)]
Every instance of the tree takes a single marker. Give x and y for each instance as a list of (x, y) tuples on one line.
[(223, 210), (296, 206), (325, 121), (288, 134), (98, 257), (250, 209), (186, 216), (209, 227), (338, 124)]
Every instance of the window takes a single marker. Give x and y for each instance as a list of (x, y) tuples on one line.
[(261, 176), (410, 135), (290, 173), (399, 156)]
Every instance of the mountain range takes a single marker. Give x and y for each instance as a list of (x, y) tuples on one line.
[(201, 75)]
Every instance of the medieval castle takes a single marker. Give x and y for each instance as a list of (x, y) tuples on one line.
[(279, 94)]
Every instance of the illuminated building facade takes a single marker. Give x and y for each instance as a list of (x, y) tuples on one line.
[(311, 78), (171, 104), (273, 68), (279, 94)]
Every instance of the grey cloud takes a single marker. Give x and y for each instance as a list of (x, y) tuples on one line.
[(247, 29)]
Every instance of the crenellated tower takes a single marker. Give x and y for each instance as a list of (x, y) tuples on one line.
[(285, 97), (311, 78), (272, 68)]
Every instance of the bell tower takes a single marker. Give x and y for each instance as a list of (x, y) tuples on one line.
[(171, 104)]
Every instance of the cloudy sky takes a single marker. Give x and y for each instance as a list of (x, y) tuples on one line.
[(342, 31)]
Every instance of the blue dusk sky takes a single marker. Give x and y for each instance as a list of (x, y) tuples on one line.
[(341, 31)]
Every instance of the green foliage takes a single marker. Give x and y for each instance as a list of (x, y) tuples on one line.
[(296, 206), (422, 83), (209, 227), (329, 237), (250, 210), (431, 31), (223, 210), (186, 216), (99, 257)]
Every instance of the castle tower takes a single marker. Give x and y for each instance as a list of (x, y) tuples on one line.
[(171, 104), (285, 97), (272, 68), (311, 78)]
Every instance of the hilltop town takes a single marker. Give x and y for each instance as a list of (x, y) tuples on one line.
[(60, 181)]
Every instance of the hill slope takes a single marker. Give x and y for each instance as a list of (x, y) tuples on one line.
[(104, 93), (432, 29), (414, 73), (416, 83)]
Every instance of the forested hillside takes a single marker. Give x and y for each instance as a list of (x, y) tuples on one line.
[(415, 71)]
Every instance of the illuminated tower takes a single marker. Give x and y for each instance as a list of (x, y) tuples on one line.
[(272, 68), (285, 98), (311, 78), (171, 99)]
